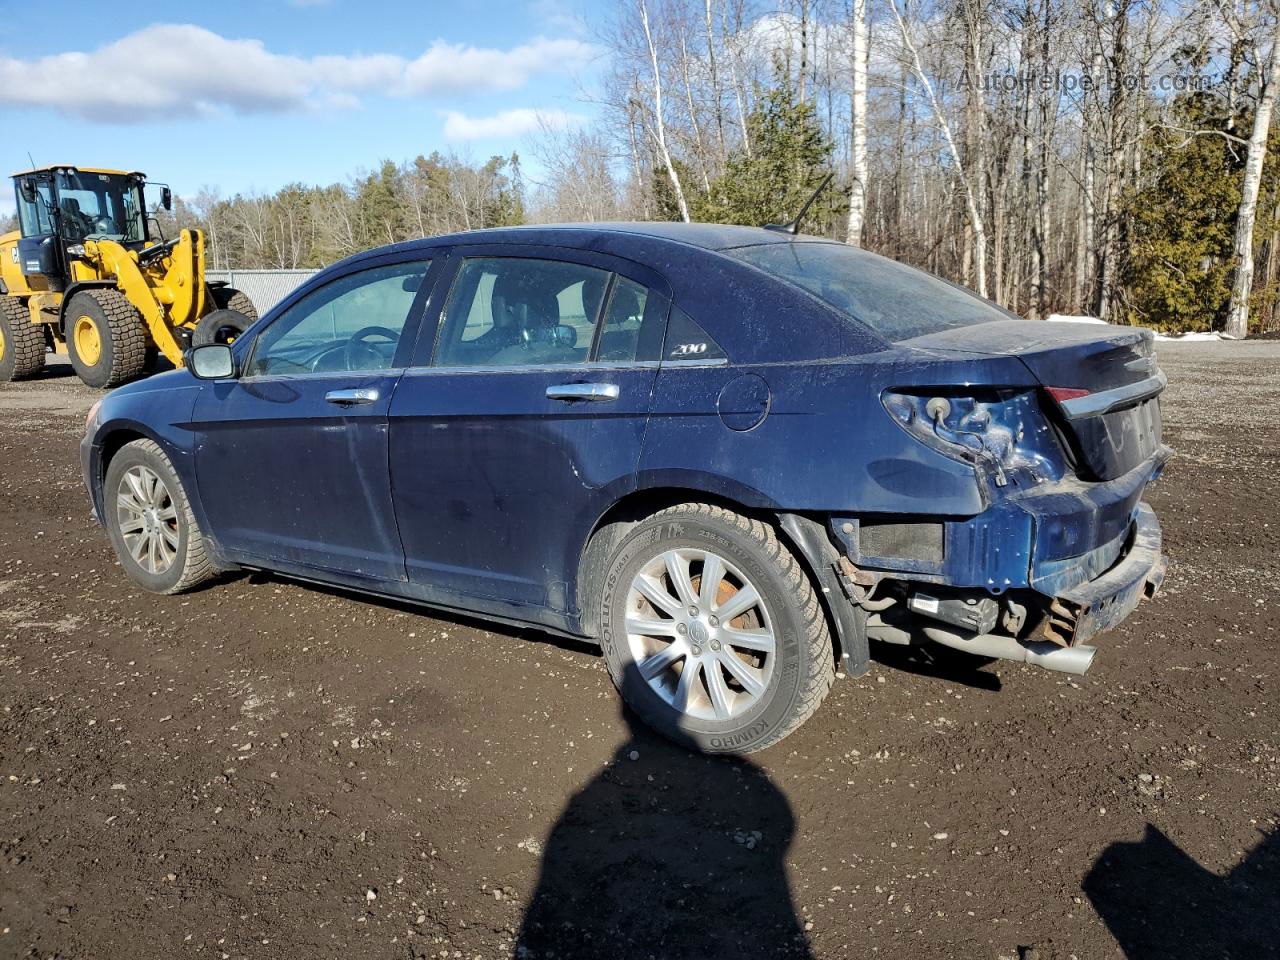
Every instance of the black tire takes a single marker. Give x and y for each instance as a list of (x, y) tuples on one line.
[(229, 298), (804, 668), (121, 338), (220, 326), (22, 345), (191, 564)]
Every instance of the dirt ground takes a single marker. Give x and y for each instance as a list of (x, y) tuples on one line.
[(270, 770)]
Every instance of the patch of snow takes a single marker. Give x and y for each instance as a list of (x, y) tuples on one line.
[(1166, 338), (1192, 337), (1067, 318)]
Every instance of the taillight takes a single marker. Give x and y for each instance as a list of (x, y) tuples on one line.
[(999, 431), (1063, 394)]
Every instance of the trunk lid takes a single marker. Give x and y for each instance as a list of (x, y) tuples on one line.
[(1101, 384)]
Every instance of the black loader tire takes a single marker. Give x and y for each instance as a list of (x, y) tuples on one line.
[(220, 326), (121, 336), (21, 341), (229, 298)]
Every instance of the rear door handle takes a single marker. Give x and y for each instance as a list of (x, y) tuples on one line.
[(353, 396), (583, 391)]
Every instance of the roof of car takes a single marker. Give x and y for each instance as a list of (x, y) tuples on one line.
[(708, 236)]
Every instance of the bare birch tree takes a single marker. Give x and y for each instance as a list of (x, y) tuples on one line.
[(858, 166), (1238, 311), (940, 117), (659, 121)]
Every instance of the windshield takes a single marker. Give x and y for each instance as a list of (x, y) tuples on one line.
[(896, 301), (101, 205)]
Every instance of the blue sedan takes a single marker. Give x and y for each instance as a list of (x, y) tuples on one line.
[(732, 456)]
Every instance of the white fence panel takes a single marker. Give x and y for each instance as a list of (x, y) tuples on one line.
[(265, 288)]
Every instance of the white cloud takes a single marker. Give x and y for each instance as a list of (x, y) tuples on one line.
[(168, 70), (448, 67), (507, 124)]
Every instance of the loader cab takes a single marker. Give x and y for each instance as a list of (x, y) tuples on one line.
[(61, 207)]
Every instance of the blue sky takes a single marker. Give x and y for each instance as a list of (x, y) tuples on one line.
[(250, 96)]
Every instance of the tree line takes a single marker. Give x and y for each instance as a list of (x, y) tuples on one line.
[(1114, 158)]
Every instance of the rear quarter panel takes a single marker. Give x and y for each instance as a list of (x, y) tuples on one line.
[(825, 444)]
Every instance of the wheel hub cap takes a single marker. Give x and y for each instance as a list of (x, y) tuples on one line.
[(700, 634), (88, 343), (148, 519)]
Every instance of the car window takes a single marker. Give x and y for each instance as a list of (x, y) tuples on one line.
[(353, 323), (624, 331), (896, 301), (513, 311), (686, 340)]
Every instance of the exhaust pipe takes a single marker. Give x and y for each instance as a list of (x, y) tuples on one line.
[(1038, 653)]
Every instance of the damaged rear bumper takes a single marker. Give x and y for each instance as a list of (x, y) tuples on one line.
[(1095, 606)]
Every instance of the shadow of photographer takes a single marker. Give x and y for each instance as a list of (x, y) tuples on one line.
[(667, 853), (1160, 904)]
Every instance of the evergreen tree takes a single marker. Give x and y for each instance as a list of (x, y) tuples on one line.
[(1182, 219), (788, 156)]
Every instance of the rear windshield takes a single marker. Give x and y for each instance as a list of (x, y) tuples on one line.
[(896, 301)]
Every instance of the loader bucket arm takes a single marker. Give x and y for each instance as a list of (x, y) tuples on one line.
[(168, 289)]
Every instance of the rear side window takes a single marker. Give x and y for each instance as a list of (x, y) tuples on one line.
[(686, 340), (896, 301), (632, 326)]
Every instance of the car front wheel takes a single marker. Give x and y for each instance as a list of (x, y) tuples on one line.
[(149, 518), (712, 631)]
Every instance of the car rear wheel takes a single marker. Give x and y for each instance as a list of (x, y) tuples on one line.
[(712, 632), (149, 518)]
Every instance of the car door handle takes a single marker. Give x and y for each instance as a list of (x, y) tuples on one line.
[(353, 396), (583, 391)]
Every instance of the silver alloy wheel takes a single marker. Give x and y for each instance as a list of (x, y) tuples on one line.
[(148, 519), (700, 634)]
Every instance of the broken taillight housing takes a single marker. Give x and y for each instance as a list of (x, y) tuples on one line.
[(1003, 433), (1063, 394)]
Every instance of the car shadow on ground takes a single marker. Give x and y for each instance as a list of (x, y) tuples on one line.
[(531, 634), (1160, 904), (962, 669), (667, 853)]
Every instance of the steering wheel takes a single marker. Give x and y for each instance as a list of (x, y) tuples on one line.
[(356, 344)]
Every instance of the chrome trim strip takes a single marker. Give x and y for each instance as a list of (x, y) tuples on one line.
[(1107, 400)]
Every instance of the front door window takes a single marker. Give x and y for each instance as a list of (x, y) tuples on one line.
[(352, 324)]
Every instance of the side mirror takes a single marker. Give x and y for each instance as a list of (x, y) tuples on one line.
[(213, 361), (27, 187), (166, 198), (565, 336)]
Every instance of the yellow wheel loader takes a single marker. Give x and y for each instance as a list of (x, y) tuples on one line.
[(83, 274)]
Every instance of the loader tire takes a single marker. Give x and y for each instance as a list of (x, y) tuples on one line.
[(106, 338), (21, 341), (229, 298), (220, 326)]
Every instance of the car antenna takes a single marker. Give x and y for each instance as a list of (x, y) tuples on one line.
[(793, 226)]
